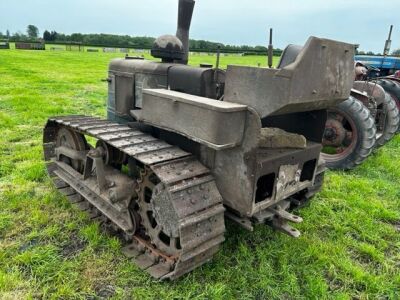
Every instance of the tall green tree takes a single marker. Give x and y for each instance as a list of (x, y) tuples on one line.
[(396, 52), (47, 35), (53, 35), (32, 31)]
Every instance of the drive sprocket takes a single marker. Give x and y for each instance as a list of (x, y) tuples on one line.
[(159, 218)]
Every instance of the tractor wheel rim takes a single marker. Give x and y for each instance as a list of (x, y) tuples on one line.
[(343, 150)]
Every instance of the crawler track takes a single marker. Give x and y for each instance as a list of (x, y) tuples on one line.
[(184, 188)]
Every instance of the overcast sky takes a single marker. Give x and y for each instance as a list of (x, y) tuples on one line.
[(365, 22)]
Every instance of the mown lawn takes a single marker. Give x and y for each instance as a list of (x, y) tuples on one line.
[(350, 247)]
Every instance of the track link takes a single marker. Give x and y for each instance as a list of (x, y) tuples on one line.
[(190, 186)]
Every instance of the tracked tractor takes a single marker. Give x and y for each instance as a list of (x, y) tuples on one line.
[(184, 147)]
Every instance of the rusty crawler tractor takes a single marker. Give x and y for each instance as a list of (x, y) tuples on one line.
[(184, 146), (368, 119)]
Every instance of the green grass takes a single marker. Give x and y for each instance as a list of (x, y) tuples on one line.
[(349, 249)]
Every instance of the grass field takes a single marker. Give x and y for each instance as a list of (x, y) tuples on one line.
[(349, 249)]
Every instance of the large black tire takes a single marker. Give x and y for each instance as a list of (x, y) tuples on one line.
[(362, 125), (393, 88), (391, 122)]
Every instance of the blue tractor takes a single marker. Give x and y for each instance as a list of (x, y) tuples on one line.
[(370, 117), (380, 65), (385, 69)]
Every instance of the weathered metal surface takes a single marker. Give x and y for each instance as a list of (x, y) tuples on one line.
[(185, 12), (281, 217), (372, 89), (204, 81), (321, 76), (287, 181), (246, 223), (185, 201), (196, 118), (239, 171)]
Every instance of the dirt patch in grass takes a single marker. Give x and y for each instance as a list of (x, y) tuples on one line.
[(105, 291), (396, 226), (28, 245), (74, 246)]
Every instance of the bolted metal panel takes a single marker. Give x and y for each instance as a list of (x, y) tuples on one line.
[(217, 124), (320, 76), (195, 81)]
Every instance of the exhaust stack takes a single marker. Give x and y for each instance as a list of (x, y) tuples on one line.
[(388, 42), (185, 13)]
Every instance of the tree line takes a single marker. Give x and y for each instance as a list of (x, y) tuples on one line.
[(121, 41), (138, 42)]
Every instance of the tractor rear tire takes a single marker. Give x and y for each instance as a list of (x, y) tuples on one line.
[(392, 120), (393, 88), (359, 120)]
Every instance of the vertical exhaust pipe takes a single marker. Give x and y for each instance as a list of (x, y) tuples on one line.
[(270, 50), (185, 13), (388, 42)]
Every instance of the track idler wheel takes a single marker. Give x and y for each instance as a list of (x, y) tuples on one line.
[(68, 139)]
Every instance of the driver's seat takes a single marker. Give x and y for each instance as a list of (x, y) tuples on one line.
[(289, 55)]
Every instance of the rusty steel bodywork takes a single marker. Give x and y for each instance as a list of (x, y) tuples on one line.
[(183, 146), (227, 134)]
